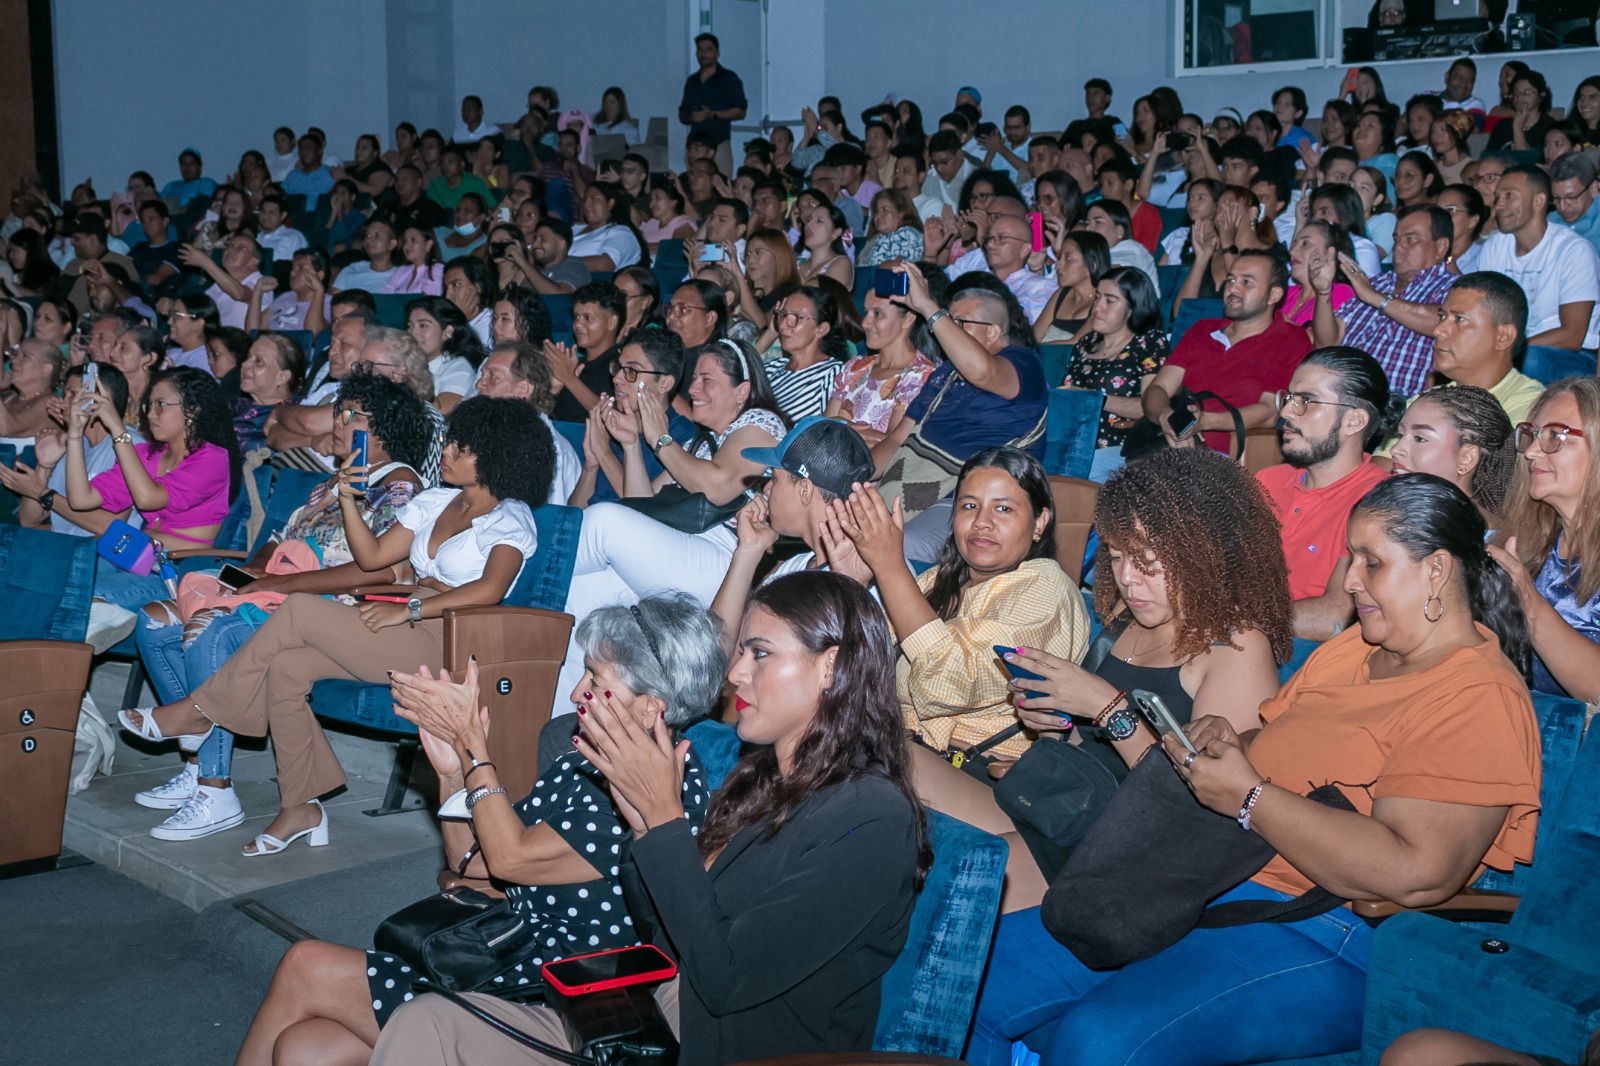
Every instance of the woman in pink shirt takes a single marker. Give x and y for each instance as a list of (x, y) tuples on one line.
[(421, 274), (180, 482), (1314, 266)]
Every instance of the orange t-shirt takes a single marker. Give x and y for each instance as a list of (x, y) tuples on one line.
[(1314, 520), (1462, 731)]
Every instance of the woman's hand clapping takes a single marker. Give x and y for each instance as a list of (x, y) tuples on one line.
[(448, 715), (643, 766), (877, 531)]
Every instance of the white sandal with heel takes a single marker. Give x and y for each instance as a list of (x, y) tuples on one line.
[(148, 730), (267, 844)]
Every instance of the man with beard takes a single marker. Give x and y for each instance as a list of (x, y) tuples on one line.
[(1337, 408)]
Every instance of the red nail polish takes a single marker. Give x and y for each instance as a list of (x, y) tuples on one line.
[(608, 695), (588, 695), (582, 711), (574, 741)]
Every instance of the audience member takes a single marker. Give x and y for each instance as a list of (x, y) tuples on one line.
[(233, 284), (450, 345), (872, 391), (713, 99), (455, 180), (420, 273), (1459, 433), (191, 185), (379, 243), (1082, 259), (1530, 116), (1468, 217), (1313, 260), (606, 240), (1109, 219), (1557, 270), (1542, 545), (89, 244), (1481, 336), (1124, 347), (810, 354), (469, 284), (1573, 189), (269, 376), (309, 177), (585, 369), (517, 370), (28, 381)]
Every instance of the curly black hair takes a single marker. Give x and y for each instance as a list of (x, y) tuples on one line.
[(1214, 534), (398, 417), (516, 455), (206, 415), (533, 317)]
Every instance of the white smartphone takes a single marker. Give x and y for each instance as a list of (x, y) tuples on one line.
[(1159, 716)]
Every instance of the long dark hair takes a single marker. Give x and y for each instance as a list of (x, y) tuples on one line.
[(1144, 307), (1423, 514), (944, 596), (856, 732), (207, 419), (826, 309), (462, 339), (649, 287), (619, 212)]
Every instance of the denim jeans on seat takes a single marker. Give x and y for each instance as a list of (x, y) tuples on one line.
[(174, 673), (131, 591), (1250, 993), (1546, 365)]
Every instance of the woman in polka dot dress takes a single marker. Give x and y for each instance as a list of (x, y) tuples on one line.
[(556, 852)]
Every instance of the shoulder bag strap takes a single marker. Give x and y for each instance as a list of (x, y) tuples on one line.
[(559, 1054), (1238, 419)]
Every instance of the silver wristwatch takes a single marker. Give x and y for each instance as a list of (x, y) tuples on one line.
[(661, 442), (414, 608)]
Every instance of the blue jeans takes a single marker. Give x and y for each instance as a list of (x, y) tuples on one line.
[(1107, 461), (1250, 993), (1547, 365), (174, 673), (131, 591)]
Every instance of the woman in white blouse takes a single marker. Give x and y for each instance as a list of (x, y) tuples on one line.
[(607, 240), (466, 545), (614, 117)]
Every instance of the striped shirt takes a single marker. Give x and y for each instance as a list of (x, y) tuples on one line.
[(801, 392)]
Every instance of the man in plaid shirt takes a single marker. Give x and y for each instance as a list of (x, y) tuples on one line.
[(1395, 313)]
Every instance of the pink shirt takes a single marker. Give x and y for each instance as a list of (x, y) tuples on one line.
[(417, 281), (197, 489), (1339, 296), (655, 232)]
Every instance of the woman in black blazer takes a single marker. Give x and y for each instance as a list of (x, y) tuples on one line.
[(787, 910)]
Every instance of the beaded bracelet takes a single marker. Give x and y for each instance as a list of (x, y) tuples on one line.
[(1250, 803), (1100, 719)]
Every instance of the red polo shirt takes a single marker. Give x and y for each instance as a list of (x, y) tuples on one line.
[(1314, 520), (1238, 373)]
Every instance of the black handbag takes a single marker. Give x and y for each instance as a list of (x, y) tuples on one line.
[(1146, 436), (685, 511), (618, 1027), (1145, 871), (460, 940)]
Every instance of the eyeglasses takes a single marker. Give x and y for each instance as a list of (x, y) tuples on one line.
[(366, 366), (965, 322), (630, 374), (1550, 436), (676, 308), (1487, 179), (1295, 403), (350, 414), (994, 237), (790, 318), (181, 314), (160, 406)]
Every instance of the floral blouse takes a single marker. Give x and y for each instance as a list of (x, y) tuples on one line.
[(319, 523), (904, 243), (1118, 376), (871, 400)]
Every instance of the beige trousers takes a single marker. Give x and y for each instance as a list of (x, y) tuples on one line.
[(432, 1031), (263, 687)]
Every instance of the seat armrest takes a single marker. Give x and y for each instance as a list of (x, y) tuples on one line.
[(203, 553), (384, 590), (1468, 905)]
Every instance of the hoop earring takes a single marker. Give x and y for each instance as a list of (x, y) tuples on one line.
[(1433, 599)]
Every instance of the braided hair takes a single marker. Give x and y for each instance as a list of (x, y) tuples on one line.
[(1480, 420)]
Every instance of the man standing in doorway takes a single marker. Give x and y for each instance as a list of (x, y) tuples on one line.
[(713, 99)]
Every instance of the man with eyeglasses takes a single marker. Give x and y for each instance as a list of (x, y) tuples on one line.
[(233, 284), (650, 360), (516, 370), (1573, 186), (1557, 269), (1336, 409), (1006, 249)]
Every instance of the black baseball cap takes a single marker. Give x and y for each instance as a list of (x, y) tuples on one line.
[(824, 451)]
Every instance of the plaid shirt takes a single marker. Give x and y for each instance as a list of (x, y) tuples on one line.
[(1406, 356)]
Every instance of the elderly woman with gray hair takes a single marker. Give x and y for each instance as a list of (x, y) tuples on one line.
[(660, 661)]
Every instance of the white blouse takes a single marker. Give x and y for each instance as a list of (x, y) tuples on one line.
[(463, 557)]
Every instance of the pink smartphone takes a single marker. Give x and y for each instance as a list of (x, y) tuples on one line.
[(1036, 226)]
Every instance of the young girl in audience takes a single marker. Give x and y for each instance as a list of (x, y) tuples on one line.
[(466, 546), (1177, 247), (1119, 355), (422, 272), (658, 665), (1546, 542), (996, 582), (1372, 186), (786, 912), (822, 251), (1082, 259), (770, 273), (451, 345), (1343, 206), (230, 213), (873, 390), (1420, 719), (1462, 434), (181, 651), (1416, 180)]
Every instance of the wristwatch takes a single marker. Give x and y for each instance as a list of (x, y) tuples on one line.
[(125, 437), (414, 608), (46, 499), (661, 442), (1122, 724)]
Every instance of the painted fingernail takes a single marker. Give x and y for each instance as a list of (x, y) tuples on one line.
[(574, 741), (474, 658), (588, 695), (608, 695), (1022, 651), (389, 672), (582, 711)]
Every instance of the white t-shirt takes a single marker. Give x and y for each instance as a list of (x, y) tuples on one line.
[(462, 558), (232, 312), (610, 239), (1131, 253), (1561, 269), (452, 373), (362, 276), (569, 467), (1172, 245), (282, 242), (482, 324), (628, 129)]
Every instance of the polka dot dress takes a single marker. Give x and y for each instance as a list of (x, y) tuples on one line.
[(572, 798)]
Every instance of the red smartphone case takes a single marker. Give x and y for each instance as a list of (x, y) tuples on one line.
[(665, 971)]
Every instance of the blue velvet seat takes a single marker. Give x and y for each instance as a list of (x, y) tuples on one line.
[(391, 308), (930, 991), (670, 267), (1191, 312), (1072, 423)]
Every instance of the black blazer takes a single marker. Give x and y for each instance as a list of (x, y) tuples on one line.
[(782, 944)]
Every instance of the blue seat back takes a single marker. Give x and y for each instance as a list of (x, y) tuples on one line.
[(560, 307), (1055, 358), (1173, 218), (1191, 312), (929, 992), (573, 431), (1071, 424), (391, 308), (46, 580), (670, 266)]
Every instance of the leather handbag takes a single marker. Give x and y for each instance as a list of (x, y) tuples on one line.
[(1146, 436), (127, 548), (635, 1033), (687, 512), (1147, 868), (460, 940)]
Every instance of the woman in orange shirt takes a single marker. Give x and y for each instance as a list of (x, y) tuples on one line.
[(1419, 717)]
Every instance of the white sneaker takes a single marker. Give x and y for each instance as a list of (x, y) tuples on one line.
[(211, 811), (175, 793)]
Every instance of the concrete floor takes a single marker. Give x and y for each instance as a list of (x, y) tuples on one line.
[(105, 824)]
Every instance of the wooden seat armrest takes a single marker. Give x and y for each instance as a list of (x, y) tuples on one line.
[(384, 590), (1468, 905), (201, 553)]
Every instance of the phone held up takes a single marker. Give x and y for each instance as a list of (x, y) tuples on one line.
[(1018, 673), (887, 283), (1036, 230), (358, 447)]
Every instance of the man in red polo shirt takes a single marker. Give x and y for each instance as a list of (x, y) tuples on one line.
[(1336, 409), (1244, 359)]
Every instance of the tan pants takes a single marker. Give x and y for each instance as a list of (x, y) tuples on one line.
[(432, 1031), (262, 689)]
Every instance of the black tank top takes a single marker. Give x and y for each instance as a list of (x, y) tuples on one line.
[(1161, 680)]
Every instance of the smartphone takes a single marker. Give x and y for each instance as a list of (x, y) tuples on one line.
[(1182, 420), (358, 446), (1159, 717), (712, 253), (91, 384), (1036, 228), (1119, 130), (888, 283), (618, 968), (1016, 671), (233, 577)]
